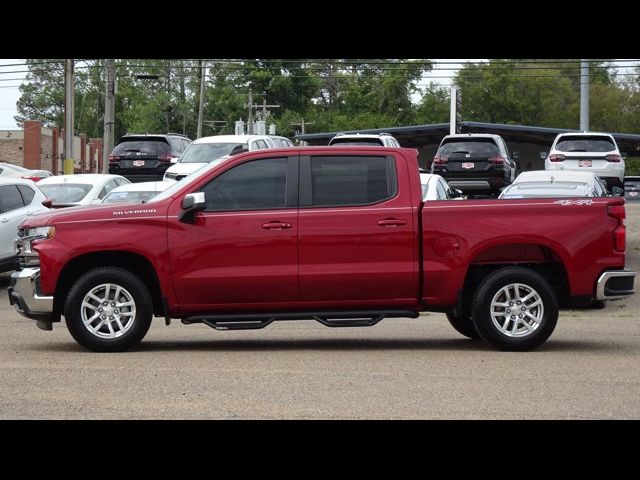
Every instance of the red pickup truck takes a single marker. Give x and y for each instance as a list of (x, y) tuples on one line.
[(336, 234)]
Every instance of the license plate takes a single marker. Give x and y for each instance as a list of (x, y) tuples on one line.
[(468, 165), (584, 163), (138, 163)]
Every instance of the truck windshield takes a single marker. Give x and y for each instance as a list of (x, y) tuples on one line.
[(66, 192), (207, 152)]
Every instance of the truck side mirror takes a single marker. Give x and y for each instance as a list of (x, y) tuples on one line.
[(47, 202), (617, 191), (192, 203), (515, 155)]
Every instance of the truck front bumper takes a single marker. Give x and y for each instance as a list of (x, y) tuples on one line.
[(23, 295), (615, 284)]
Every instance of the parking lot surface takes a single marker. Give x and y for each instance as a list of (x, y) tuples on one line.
[(399, 369)]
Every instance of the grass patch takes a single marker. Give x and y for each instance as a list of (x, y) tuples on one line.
[(425, 314)]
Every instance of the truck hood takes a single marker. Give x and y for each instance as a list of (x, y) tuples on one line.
[(111, 211)]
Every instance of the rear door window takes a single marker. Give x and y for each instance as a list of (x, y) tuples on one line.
[(585, 144), (27, 193), (10, 198), (352, 180)]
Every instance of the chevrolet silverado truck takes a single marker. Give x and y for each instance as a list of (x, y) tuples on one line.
[(335, 234)]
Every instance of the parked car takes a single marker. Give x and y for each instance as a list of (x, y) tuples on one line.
[(632, 188), (80, 189), (16, 171), (334, 234), (551, 183), (208, 149), (588, 151), (475, 163), (361, 139), (145, 158), (434, 187), (140, 192), (19, 199)]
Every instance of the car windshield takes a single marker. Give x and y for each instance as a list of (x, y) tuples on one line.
[(66, 192), (129, 197), (207, 152), (585, 144), (203, 170), (479, 146)]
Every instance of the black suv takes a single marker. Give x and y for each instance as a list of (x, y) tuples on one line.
[(475, 163), (144, 158)]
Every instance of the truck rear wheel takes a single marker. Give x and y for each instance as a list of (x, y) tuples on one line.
[(462, 324), (108, 310), (515, 309)]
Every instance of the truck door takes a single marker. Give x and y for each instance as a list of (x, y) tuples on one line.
[(356, 231), (242, 250)]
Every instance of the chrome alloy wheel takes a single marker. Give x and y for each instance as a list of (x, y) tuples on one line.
[(108, 311), (516, 310)]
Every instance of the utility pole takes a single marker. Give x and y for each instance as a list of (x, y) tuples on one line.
[(584, 95), (201, 107), (69, 162), (264, 108), (302, 125), (109, 113), (168, 96), (250, 122)]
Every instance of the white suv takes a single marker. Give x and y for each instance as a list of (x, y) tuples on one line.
[(588, 151), (381, 139), (207, 149)]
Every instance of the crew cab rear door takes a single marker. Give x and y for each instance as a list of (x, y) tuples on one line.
[(356, 229)]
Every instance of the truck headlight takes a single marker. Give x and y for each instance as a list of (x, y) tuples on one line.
[(26, 237)]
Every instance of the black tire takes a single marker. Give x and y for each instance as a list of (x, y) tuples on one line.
[(524, 340), (135, 331), (463, 325)]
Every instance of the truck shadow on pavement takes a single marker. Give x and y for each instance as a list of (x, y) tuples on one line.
[(336, 344)]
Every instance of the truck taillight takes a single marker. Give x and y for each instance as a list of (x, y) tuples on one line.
[(165, 157), (496, 160), (440, 159), (556, 158), (613, 158), (620, 232), (32, 178), (113, 158)]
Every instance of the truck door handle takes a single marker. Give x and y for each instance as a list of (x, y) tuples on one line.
[(391, 222), (276, 225), (4, 220)]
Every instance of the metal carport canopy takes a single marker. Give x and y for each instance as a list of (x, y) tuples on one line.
[(417, 135)]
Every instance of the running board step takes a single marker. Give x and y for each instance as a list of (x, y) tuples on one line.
[(238, 325), (350, 322), (253, 321)]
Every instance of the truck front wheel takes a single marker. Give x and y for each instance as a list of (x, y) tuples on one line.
[(108, 310), (515, 309)]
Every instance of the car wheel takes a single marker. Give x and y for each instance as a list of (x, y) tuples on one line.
[(462, 324), (108, 310), (515, 309)]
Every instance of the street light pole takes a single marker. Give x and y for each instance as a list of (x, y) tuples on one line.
[(201, 106)]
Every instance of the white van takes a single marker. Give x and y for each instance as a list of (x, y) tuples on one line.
[(207, 149)]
